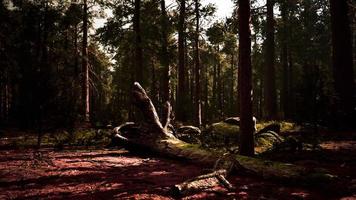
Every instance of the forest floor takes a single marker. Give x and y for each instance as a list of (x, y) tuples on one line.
[(89, 173)]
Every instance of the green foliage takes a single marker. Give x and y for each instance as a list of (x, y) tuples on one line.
[(40, 44), (285, 126)]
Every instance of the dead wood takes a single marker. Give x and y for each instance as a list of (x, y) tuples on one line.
[(152, 135)]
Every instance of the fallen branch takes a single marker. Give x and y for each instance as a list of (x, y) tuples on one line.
[(199, 183), (152, 135)]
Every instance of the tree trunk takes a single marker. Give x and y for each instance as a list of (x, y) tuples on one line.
[(165, 58), (138, 42), (85, 65), (76, 57), (152, 135), (270, 84), (181, 93), (245, 80), (214, 91), (197, 69), (219, 86), (232, 99), (284, 59), (342, 55)]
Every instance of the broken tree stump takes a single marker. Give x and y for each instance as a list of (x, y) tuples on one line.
[(154, 135)]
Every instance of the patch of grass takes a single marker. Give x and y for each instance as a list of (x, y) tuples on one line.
[(285, 125), (88, 137)]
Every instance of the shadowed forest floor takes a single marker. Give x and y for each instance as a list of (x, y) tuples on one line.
[(78, 173)]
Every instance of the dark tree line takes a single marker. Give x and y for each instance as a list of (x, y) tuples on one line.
[(57, 70)]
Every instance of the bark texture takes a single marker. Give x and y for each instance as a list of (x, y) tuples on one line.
[(197, 69), (181, 93), (270, 77), (85, 65), (165, 57), (138, 42), (245, 80), (342, 55)]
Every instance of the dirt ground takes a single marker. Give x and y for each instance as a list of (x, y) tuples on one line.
[(78, 173)]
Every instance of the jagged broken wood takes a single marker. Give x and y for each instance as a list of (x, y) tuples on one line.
[(153, 135)]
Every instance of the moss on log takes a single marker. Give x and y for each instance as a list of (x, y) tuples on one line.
[(151, 135)]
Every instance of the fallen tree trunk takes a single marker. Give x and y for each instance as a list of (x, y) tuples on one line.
[(155, 136)]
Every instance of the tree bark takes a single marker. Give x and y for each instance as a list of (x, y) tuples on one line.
[(181, 93), (270, 84), (245, 80), (284, 59), (219, 85), (232, 99), (165, 57), (342, 55), (85, 65), (201, 183), (138, 42), (197, 69)]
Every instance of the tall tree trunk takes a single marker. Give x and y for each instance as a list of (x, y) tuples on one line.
[(76, 60), (270, 82), (219, 86), (284, 59), (342, 55), (154, 88), (138, 42), (206, 95), (232, 99), (197, 69), (181, 93), (291, 99), (214, 95), (85, 65), (246, 146), (165, 57)]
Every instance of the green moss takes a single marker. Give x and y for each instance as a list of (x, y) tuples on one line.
[(225, 129), (274, 169), (285, 126)]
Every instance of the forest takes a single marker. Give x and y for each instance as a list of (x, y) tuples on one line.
[(177, 99)]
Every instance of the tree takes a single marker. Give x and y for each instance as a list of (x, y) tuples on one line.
[(270, 82), (181, 93), (138, 41), (246, 146), (284, 59), (215, 35), (342, 59), (165, 56), (230, 49), (197, 69), (85, 65)]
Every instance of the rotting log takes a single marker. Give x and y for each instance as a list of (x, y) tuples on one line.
[(155, 136)]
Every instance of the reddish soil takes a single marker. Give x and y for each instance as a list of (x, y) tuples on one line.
[(118, 174)]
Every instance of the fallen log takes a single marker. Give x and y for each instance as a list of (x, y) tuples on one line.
[(203, 182), (154, 135)]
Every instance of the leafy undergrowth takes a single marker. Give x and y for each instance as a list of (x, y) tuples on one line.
[(88, 173), (58, 139)]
